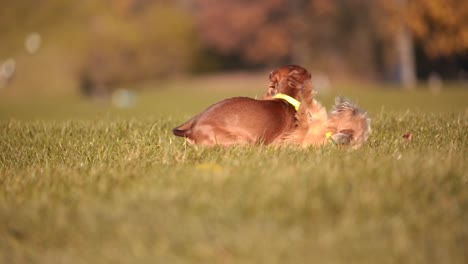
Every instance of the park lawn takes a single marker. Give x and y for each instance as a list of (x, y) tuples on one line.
[(88, 183)]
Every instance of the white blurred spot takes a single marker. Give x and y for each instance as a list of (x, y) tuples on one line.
[(33, 42), (7, 70), (123, 98)]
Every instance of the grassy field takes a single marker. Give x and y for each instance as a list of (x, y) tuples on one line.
[(82, 182)]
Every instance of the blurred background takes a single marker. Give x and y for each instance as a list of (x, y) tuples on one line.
[(107, 49)]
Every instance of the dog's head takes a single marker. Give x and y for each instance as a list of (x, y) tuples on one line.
[(287, 80)]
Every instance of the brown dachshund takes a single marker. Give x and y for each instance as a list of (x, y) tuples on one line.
[(243, 120)]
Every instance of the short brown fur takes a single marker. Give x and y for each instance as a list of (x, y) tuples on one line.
[(243, 120)]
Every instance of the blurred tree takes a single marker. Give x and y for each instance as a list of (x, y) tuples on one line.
[(106, 43), (334, 35), (394, 29), (360, 36), (132, 40), (440, 27), (17, 18), (122, 41), (257, 30)]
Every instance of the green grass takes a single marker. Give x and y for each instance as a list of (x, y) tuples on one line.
[(87, 183)]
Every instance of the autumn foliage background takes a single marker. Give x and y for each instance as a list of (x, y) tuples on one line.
[(95, 46), (91, 173)]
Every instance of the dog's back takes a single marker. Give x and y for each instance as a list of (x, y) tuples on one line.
[(239, 120)]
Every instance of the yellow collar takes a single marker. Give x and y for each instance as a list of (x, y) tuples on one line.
[(288, 99)]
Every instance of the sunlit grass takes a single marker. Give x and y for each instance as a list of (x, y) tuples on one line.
[(88, 183)]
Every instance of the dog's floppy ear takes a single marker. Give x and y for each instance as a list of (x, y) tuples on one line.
[(272, 89), (273, 75), (301, 74)]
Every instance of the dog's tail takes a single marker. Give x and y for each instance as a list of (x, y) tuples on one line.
[(184, 129), (349, 124)]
